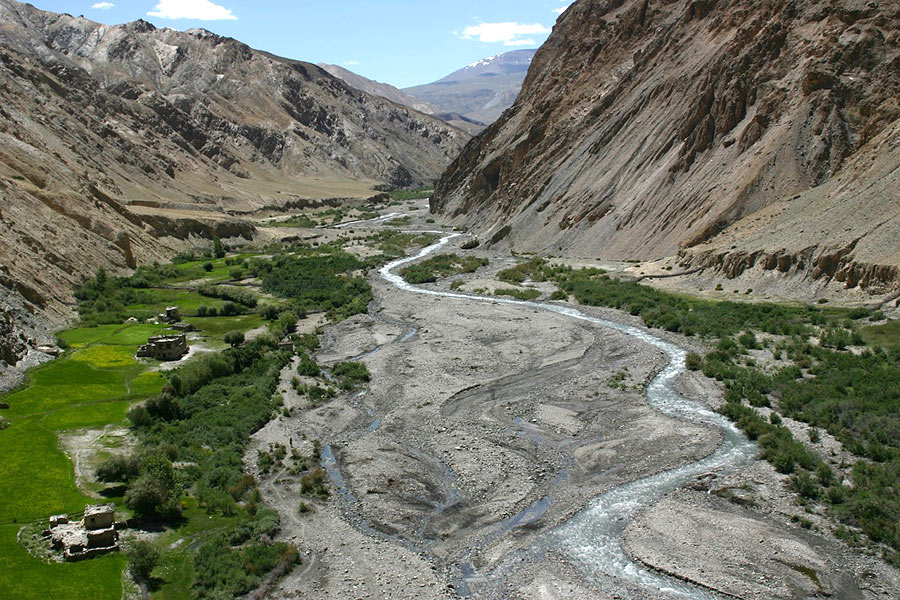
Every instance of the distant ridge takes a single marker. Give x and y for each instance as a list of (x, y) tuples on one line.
[(480, 91), (385, 90)]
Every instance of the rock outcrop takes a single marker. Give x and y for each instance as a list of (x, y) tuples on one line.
[(844, 233), (645, 127)]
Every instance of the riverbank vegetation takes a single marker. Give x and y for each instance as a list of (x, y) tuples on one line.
[(828, 368), (185, 475), (441, 265), (417, 194)]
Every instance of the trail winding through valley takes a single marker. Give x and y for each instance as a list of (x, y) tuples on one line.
[(591, 539)]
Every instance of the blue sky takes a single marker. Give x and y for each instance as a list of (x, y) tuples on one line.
[(401, 42)]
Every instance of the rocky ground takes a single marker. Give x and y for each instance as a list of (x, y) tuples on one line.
[(487, 425)]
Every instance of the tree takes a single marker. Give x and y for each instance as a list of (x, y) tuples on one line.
[(143, 556), (101, 279), (118, 468), (234, 338), (218, 248), (207, 266), (156, 490)]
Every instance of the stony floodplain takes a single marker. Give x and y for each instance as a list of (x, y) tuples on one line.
[(487, 426)]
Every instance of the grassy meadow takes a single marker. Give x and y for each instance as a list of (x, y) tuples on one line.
[(92, 386)]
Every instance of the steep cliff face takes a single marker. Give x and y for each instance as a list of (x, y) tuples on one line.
[(645, 126), (843, 234), (121, 144)]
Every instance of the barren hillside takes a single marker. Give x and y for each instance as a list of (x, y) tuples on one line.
[(645, 127), (119, 144)]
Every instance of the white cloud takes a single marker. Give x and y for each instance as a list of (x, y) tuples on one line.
[(562, 9), (351, 63), (103, 6), (509, 33), (202, 10)]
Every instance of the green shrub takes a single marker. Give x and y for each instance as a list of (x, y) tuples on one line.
[(825, 475), (314, 484), (805, 485), (234, 338), (748, 340), (693, 361), (441, 265), (119, 468), (156, 490), (350, 374), (308, 367), (836, 494), (518, 294), (143, 556)]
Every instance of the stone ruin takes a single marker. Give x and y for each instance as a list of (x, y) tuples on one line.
[(93, 535), (164, 347), (172, 315)]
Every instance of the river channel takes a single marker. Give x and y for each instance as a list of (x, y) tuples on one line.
[(591, 539)]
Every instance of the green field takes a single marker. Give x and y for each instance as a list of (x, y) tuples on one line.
[(23, 577), (188, 301), (215, 328), (116, 335), (192, 270), (89, 387)]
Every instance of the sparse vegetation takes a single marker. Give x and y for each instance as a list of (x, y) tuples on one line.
[(518, 293), (441, 265)]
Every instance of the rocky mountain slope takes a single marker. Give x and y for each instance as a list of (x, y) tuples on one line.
[(385, 90), (120, 144), (480, 91), (843, 234), (648, 127)]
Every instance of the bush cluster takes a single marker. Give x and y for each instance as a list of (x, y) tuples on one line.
[(236, 295), (441, 265), (320, 282)]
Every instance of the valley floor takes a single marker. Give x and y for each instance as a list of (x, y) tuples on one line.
[(485, 427), (462, 466)]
